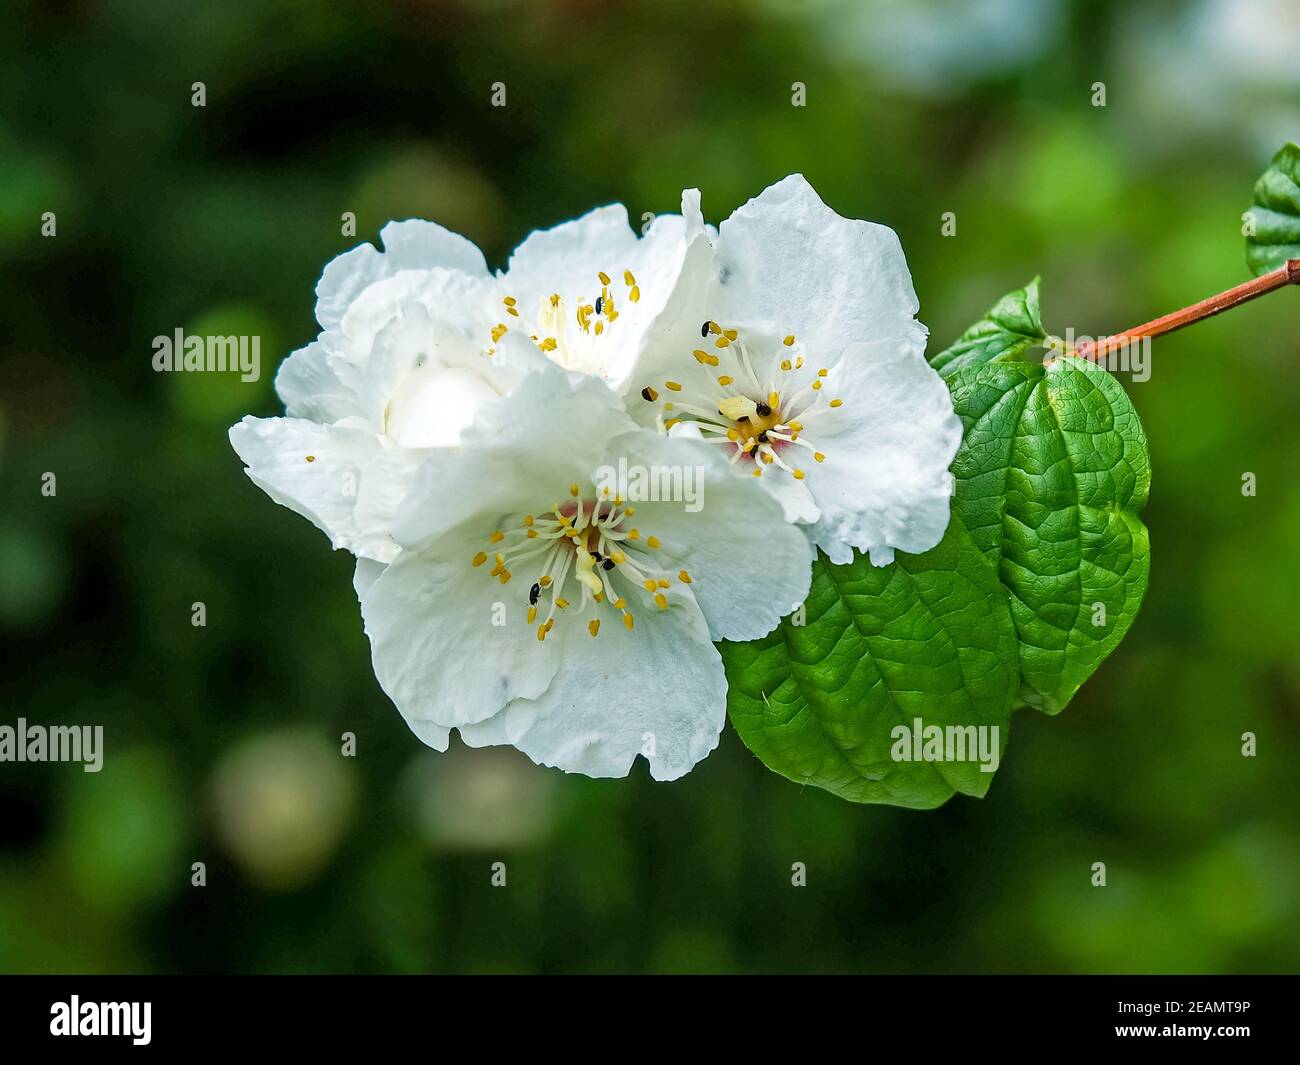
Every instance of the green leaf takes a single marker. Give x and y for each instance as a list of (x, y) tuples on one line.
[(1051, 474), (1013, 325), (929, 636), (1276, 212)]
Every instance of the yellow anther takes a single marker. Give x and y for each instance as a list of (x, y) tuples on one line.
[(774, 399), (545, 582), (822, 372), (532, 614), (634, 534), (683, 576), (798, 363), (652, 541), (722, 342), (620, 603), (618, 558), (549, 344), (714, 327), (661, 601), (788, 340), (479, 559), (817, 385), (628, 279), (671, 422), (663, 582), (600, 328), (510, 301), (673, 386), (541, 633), (635, 294), (555, 299), (528, 520), (498, 331), (758, 472), (497, 536), (628, 622), (505, 576), (725, 380), (798, 474), (511, 311), (593, 626), (532, 534), (649, 585), (563, 604), (732, 435), (730, 334), (786, 364), (796, 427), (837, 403), (604, 277), (819, 456), (573, 490)]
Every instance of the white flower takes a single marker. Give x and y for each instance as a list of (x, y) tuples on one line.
[(416, 337), (790, 344), (531, 606)]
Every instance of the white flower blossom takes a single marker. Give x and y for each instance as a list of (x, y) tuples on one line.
[(790, 344), (417, 336), (532, 606)]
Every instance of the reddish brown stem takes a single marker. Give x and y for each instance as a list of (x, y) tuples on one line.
[(1286, 274)]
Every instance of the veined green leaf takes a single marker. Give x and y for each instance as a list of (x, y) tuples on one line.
[(929, 636), (1276, 212), (1013, 325), (1051, 474)]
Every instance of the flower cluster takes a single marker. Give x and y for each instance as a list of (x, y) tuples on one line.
[(458, 430)]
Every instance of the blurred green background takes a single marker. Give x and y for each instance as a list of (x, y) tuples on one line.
[(223, 742)]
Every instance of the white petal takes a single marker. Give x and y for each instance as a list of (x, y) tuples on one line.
[(435, 648), (349, 487), (748, 566), (660, 687), (567, 257), (787, 258), (309, 387), (567, 260), (519, 455), (885, 482), (411, 245), (470, 305)]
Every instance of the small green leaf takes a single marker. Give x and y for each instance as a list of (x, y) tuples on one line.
[(1051, 474), (1276, 211), (929, 636), (1013, 325)]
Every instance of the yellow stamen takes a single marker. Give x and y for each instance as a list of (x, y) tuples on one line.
[(684, 577), (479, 559), (593, 626), (652, 541), (788, 340), (661, 600), (837, 403), (627, 621)]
